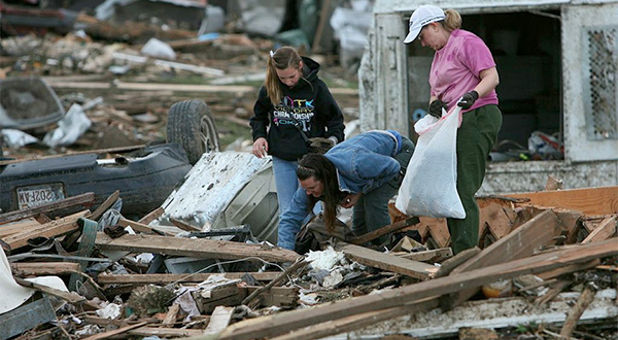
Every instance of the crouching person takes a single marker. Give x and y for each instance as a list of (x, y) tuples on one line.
[(363, 172)]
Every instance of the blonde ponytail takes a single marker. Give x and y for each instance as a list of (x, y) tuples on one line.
[(452, 20), (281, 59)]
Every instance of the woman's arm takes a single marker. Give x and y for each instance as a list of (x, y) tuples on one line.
[(489, 81), (291, 220)]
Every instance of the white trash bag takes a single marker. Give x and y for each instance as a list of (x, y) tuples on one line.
[(429, 187)]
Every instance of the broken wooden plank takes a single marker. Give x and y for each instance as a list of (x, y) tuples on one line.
[(199, 248), (151, 216), (568, 269), (43, 268), (577, 310), (219, 320), (165, 332), (605, 230), (570, 222), (284, 322), (171, 315), (384, 230), (120, 330), (54, 228), (498, 215), (70, 297), (372, 258), (141, 279), (16, 227), (590, 201), (432, 255), (142, 228), (438, 230), (449, 265), (283, 276), (85, 199), (356, 322), (521, 242), (104, 206), (184, 226)]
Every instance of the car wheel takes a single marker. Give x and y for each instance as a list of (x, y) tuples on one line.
[(190, 124)]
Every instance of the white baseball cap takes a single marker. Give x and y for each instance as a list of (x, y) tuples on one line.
[(422, 16)]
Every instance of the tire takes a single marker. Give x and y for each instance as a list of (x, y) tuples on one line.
[(191, 125)]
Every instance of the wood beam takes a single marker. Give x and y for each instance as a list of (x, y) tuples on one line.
[(199, 248), (391, 263), (520, 243), (590, 201)]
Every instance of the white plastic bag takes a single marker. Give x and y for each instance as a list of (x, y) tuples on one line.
[(429, 187)]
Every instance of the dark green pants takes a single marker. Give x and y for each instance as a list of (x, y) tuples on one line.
[(475, 139)]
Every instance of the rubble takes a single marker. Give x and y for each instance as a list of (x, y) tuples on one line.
[(350, 278), (200, 261)]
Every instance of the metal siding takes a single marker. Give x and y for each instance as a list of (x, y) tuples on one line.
[(575, 20)]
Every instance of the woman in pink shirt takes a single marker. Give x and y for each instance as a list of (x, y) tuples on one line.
[(463, 73)]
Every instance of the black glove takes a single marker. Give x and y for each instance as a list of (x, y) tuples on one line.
[(320, 145), (468, 99), (435, 108)]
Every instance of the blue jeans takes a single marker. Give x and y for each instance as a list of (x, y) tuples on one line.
[(287, 184), (285, 181)]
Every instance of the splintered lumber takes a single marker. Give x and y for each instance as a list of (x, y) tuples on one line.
[(384, 230), (105, 205), (199, 248), (219, 319), (83, 199), (54, 228), (165, 332), (151, 216), (372, 258), (141, 279), (434, 255), (590, 201), (172, 314), (120, 330), (497, 215), (355, 322), (521, 242), (283, 276), (605, 230), (43, 268), (447, 266), (140, 227), (438, 230), (284, 322), (16, 227), (577, 310)]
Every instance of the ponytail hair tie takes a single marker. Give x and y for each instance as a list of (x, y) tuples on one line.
[(272, 54)]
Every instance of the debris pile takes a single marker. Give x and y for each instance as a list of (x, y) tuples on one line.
[(117, 276)]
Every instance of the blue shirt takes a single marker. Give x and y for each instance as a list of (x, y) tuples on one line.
[(363, 163)]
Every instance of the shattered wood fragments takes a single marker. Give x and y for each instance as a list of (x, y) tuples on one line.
[(282, 323), (86, 199), (51, 229)]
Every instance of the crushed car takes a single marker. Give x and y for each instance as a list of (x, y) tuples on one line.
[(144, 177)]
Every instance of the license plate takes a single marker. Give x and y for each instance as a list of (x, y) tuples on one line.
[(35, 195)]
